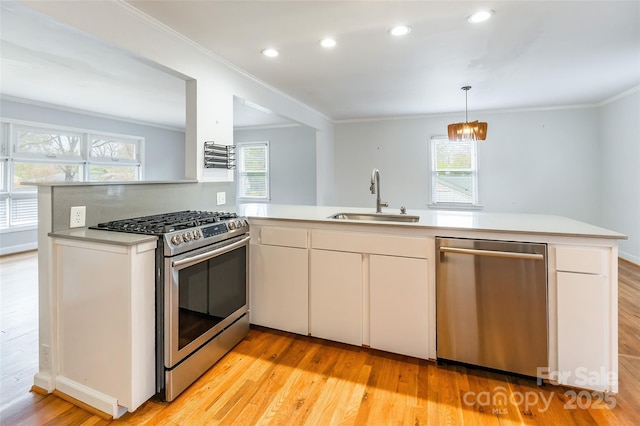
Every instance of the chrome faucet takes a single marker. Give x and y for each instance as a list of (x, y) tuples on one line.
[(375, 189)]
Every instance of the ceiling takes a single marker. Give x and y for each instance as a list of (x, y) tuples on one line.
[(530, 54), (45, 61)]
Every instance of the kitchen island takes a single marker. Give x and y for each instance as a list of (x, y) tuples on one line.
[(373, 283), (365, 282)]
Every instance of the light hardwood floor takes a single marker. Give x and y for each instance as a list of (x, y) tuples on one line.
[(18, 324), (280, 378)]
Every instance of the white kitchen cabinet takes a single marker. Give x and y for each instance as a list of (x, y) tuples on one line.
[(372, 289), (279, 295), (582, 346), (335, 299), (399, 305), (583, 312), (279, 279), (106, 323), (582, 280)]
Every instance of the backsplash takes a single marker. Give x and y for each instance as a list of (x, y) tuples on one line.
[(121, 201)]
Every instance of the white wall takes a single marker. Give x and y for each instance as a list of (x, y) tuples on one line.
[(292, 162), (532, 162), (620, 151)]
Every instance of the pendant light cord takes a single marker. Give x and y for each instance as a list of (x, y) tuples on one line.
[(466, 105)]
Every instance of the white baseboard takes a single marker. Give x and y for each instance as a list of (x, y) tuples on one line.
[(631, 258), (43, 381), (91, 397)]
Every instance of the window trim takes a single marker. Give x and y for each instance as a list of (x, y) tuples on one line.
[(14, 129), (238, 173), (452, 205)]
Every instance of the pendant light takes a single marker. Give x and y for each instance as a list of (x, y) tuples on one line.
[(474, 131)]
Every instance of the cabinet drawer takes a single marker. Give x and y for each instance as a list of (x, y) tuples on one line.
[(578, 259), (390, 245), (287, 237)]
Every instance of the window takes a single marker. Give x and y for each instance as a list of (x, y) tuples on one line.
[(30, 152), (253, 170), (52, 144), (113, 159), (454, 172)]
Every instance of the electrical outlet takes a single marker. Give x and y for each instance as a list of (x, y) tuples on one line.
[(222, 198), (46, 356), (78, 215)]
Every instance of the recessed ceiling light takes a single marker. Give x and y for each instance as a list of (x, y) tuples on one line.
[(327, 42), (480, 16), (271, 53), (400, 30)]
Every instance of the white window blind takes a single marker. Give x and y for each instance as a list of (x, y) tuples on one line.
[(24, 209), (454, 174), (253, 170)]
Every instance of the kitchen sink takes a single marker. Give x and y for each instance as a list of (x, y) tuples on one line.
[(377, 217)]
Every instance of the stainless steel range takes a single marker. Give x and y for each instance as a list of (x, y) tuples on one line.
[(202, 296)]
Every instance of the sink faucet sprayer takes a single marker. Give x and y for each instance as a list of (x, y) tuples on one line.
[(375, 189)]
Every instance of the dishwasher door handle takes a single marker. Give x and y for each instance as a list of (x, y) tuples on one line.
[(492, 253)]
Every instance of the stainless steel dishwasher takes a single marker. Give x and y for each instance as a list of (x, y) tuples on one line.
[(491, 304)]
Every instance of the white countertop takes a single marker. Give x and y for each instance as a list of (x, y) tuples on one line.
[(104, 237), (440, 219), (93, 183)]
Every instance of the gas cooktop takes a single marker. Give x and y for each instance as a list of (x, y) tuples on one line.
[(182, 231), (167, 222)]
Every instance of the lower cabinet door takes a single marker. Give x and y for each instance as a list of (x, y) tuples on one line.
[(336, 296), (399, 305), (279, 291), (582, 337)]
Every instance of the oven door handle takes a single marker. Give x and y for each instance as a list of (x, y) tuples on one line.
[(188, 261)]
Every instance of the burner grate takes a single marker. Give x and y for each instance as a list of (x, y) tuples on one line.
[(167, 222)]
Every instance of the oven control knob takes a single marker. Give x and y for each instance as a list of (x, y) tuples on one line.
[(245, 223), (232, 225), (197, 234), (176, 240), (186, 237)]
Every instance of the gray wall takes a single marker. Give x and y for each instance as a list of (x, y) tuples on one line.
[(17, 241), (620, 162), (292, 160), (580, 163), (531, 162)]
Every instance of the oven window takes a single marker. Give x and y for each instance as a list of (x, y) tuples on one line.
[(209, 292)]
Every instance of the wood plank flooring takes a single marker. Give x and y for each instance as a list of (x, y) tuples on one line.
[(273, 377), (18, 324)]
